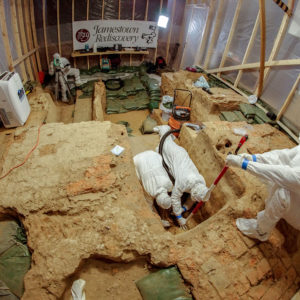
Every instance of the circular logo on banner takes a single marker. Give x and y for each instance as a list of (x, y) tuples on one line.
[(82, 35)]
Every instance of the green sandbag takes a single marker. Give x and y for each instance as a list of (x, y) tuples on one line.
[(148, 125), (8, 229), (14, 264), (165, 284), (5, 293), (15, 259), (248, 110), (153, 105)]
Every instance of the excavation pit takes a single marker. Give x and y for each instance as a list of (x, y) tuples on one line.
[(109, 280)]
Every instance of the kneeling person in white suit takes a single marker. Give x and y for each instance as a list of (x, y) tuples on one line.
[(155, 179), (186, 175), (280, 169)]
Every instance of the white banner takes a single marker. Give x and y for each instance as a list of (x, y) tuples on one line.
[(109, 32)]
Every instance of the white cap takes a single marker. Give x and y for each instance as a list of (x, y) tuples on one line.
[(163, 200)]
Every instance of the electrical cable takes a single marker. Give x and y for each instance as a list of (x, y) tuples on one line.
[(27, 156), (160, 151)]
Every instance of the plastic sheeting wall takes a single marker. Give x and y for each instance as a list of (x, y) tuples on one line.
[(281, 79), (4, 64), (111, 12)]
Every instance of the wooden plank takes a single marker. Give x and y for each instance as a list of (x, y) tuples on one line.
[(231, 33), (276, 63), (170, 31), (289, 98), (23, 38), (160, 9), (5, 36), (248, 50), (45, 32), (78, 54), (29, 37), (215, 33), (17, 37), (277, 43), (58, 26), (262, 9), (35, 41), (23, 57), (207, 30)]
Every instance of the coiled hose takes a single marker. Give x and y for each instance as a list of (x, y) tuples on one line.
[(160, 151)]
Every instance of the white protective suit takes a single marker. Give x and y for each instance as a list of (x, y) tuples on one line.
[(64, 65), (155, 179), (280, 170), (186, 175)]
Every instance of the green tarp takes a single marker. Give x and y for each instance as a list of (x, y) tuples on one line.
[(165, 284), (14, 257)]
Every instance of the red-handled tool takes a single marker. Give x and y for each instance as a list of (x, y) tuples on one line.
[(241, 143)]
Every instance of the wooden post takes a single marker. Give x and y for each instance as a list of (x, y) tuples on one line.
[(58, 26), (146, 18), (160, 9), (45, 32), (231, 33), (248, 50), (133, 13), (103, 4), (87, 18), (23, 38), (146, 10), (170, 31), (278, 41), (262, 46), (17, 37), (289, 98), (207, 30), (35, 42), (119, 12), (215, 33), (30, 38), (73, 18), (5, 36)]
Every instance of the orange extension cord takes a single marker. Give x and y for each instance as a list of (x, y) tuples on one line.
[(27, 156)]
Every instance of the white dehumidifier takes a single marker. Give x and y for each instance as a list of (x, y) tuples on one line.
[(14, 106)]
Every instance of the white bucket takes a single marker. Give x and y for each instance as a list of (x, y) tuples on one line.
[(166, 112)]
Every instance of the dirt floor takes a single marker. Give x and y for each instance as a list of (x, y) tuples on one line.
[(86, 215), (135, 119), (109, 280)]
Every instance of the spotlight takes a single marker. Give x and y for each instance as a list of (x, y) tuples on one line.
[(163, 21)]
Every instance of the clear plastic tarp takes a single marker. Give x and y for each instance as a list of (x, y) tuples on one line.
[(278, 84)]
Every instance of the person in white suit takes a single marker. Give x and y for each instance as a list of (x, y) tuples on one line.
[(280, 170), (155, 179), (186, 175), (61, 67)]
